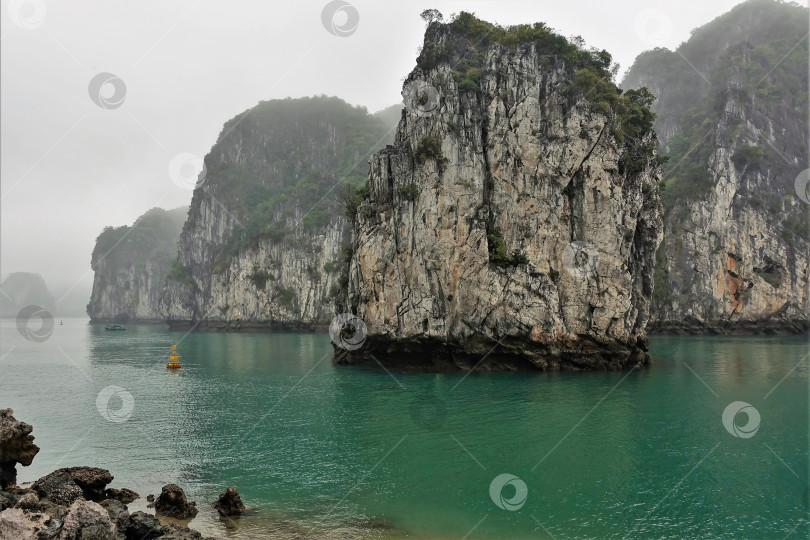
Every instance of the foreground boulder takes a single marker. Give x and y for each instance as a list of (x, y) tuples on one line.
[(19, 524), (87, 520), (172, 503), (64, 486), (143, 526), (16, 446), (230, 503)]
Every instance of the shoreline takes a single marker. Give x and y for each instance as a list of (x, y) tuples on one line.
[(769, 327)]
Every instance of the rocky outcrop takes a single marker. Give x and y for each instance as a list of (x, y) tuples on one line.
[(734, 259), (72, 503), (59, 486), (19, 524), (22, 289), (87, 520), (509, 226), (124, 495), (262, 245), (36, 514), (131, 265), (229, 503), (172, 503), (16, 446)]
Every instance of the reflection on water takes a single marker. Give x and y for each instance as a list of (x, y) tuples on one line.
[(345, 452)]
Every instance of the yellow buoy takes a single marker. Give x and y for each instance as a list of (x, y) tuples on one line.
[(174, 361)]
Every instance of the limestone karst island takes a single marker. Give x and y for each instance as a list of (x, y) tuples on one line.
[(335, 269)]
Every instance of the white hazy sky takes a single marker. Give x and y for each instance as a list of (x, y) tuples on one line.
[(70, 167)]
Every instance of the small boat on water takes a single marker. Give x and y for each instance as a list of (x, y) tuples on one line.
[(174, 360), (114, 327)]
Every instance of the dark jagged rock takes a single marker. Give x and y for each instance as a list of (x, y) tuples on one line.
[(124, 495), (181, 533), (118, 513), (230, 503), (143, 526), (29, 501), (7, 500), (16, 446), (172, 503), (59, 488), (90, 481)]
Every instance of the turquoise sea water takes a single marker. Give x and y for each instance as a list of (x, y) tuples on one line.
[(345, 452)]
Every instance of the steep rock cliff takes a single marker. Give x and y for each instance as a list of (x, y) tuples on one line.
[(262, 245), (735, 252), (131, 265), (514, 222)]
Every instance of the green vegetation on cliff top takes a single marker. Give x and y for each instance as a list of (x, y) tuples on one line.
[(750, 53), (591, 72), (153, 236), (284, 161)]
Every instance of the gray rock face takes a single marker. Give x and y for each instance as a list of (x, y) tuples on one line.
[(87, 520), (735, 253), (16, 446), (131, 264), (522, 167), (19, 524), (729, 265), (264, 233), (294, 296), (118, 513)]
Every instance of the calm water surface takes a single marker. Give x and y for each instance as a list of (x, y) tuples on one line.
[(326, 451)]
